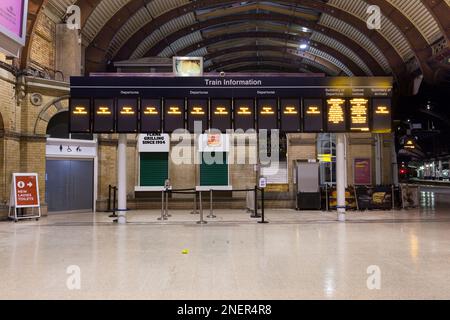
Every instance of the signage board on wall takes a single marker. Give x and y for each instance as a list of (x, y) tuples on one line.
[(150, 115), (290, 115), (80, 116), (221, 114), (13, 19), (214, 142), (362, 172), (154, 142)]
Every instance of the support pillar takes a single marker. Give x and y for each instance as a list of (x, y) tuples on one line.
[(394, 162), (340, 175), (122, 178), (378, 159)]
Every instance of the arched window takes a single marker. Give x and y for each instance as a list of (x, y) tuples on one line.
[(58, 127), (326, 149)]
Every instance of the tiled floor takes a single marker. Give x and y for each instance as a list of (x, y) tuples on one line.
[(305, 255)]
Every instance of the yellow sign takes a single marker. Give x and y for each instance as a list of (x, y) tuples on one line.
[(326, 157), (382, 110), (221, 111), (359, 114), (103, 110), (336, 111), (313, 110), (174, 110), (410, 144), (127, 110), (150, 110), (290, 110), (80, 110), (267, 110), (198, 111), (244, 110)]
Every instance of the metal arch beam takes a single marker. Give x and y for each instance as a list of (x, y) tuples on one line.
[(275, 35), (394, 59), (34, 9), (270, 67), (365, 56), (419, 45), (225, 63), (271, 48), (441, 13)]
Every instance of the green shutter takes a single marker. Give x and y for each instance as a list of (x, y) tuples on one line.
[(215, 174), (154, 168)]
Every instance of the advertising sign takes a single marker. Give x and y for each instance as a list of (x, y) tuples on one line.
[(188, 66), (214, 142), (154, 142), (362, 172), (13, 19), (150, 115)]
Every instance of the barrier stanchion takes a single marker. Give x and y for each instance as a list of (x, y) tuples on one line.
[(166, 213), (255, 211), (201, 221), (163, 217), (114, 215), (195, 211), (262, 207), (393, 197), (211, 213), (109, 199)]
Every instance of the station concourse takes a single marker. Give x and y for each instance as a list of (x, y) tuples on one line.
[(224, 150)]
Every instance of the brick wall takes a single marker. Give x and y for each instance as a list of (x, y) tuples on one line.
[(42, 50)]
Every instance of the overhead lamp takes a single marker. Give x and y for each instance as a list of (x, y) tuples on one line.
[(303, 46)]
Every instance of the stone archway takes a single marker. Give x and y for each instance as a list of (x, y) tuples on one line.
[(52, 108)]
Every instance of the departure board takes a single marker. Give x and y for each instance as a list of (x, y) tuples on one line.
[(312, 115), (150, 115), (220, 114), (103, 115), (290, 115), (127, 116), (336, 119), (359, 114), (197, 112), (267, 114), (173, 114), (80, 116), (244, 116), (381, 116)]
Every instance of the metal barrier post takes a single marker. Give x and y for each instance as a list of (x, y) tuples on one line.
[(195, 211), (201, 221), (109, 199), (255, 211), (262, 207), (166, 213), (114, 215), (393, 197), (211, 214), (163, 217)]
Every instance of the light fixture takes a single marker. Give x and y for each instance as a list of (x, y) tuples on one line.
[(303, 46)]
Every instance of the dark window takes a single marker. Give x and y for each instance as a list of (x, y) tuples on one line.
[(58, 127)]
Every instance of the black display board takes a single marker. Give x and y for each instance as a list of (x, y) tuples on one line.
[(80, 115), (173, 115), (104, 116), (312, 115), (267, 114), (290, 115), (127, 115), (150, 116), (358, 111), (244, 114), (381, 115), (197, 112), (221, 114), (336, 115)]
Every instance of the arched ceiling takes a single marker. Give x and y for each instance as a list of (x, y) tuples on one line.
[(266, 35)]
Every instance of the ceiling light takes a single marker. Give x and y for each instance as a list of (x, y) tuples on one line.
[(303, 46)]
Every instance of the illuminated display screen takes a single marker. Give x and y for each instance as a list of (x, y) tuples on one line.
[(197, 112), (127, 116), (150, 115), (290, 115), (313, 115), (359, 114), (221, 114), (173, 114), (103, 115), (336, 121), (244, 116), (80, 116), (267, 114), (381, 116)]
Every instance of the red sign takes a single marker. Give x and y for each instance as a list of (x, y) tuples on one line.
[(26, 191), (362, 172)]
